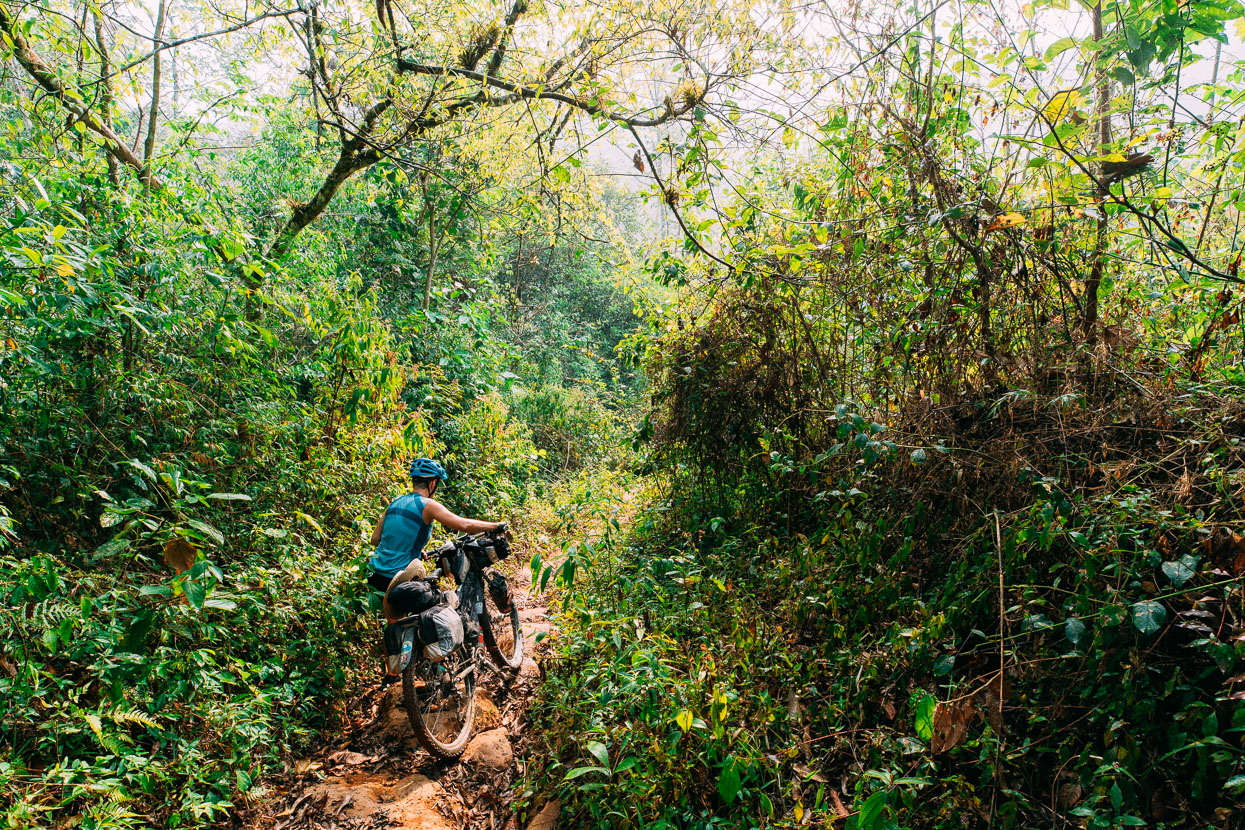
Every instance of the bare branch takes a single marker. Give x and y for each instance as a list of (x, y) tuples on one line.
[(173, 44), (521, 91)]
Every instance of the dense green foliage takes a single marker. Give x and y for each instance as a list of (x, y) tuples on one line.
[(945, 427), (936, 393), (191, 466)]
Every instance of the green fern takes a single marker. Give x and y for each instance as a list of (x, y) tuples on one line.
[(123, 717), (112, 812)]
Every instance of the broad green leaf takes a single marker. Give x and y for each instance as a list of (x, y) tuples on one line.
[(729, 783), (578, 771), (113, 546), (1149, 616), (598, 751), (144, 469), (871, 811), (925, 717), (1181, 570), (1074, 630), (1059, 47), (207, 530), (195, 593)]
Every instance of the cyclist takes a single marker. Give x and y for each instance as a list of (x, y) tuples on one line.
[(404, 527)]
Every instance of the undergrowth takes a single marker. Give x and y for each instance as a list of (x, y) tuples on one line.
[(742, 663)]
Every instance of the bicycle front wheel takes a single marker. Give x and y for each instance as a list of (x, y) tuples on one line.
[(503, 635), (440, 701)]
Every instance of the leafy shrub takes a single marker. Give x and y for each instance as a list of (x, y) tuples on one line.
[(847, 659), (571, 428)]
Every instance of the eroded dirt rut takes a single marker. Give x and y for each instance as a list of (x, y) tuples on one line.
[(377, 776)]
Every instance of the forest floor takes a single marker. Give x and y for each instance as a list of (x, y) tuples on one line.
[(375, 775)]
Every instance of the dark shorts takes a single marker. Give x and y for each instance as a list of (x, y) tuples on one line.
[(378, 582)]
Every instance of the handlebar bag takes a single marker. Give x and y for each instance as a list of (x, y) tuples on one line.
[(440, 631), (502, 547), (487, 551)]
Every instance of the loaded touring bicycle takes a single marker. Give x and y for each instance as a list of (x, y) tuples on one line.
[(439, 639)]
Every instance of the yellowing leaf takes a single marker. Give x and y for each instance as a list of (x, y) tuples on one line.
[(799, 812), (1061, 105), (94, 722), (64, 269), (1006, 220), (684, 720), (309, 521)]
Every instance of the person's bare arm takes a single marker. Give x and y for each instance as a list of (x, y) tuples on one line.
[(377, 530), (435, 511)]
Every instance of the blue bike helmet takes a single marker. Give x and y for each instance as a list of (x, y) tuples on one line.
[(427, 468)]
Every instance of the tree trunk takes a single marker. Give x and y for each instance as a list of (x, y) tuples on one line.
[(351, 160), (1089, 316), (348, 163), (150, 146), (106, 92), (432, 254)]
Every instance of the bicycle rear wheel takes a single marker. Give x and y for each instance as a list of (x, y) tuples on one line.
[(503, 635), (440, 701)]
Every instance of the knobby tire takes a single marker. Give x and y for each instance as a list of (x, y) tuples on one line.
[(511, 661), (441, 750)]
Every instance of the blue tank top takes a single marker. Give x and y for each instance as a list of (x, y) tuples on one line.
[(402, 537)]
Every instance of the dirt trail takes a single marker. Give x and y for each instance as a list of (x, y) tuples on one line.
[(377, 776)]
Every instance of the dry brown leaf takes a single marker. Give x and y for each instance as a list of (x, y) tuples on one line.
[(837, 803), (179, 555), (951, 720), (1006, 220), (1069, 795), (992, 708)]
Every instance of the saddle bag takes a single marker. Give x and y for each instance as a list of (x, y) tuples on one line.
[(440, 632)]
